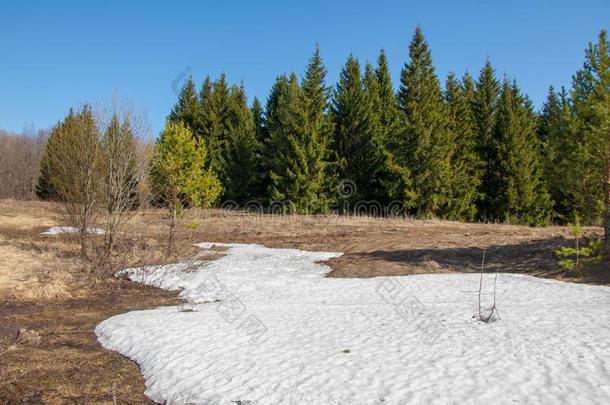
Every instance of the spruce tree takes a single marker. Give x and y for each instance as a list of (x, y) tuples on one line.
[(217, 124), (242, 150), (44, 188), (485, 105), (258, 120), (187, 108), (387, 107), (356, 139), (465, 162), (425, 146), (520, 196), (559, 151), (261, 135), (284, 157), (300, 169)]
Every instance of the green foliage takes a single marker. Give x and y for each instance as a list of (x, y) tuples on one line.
[(560, 154), (44, 188), (187, 108), (466, 165), (485, 107), (298, 145), (577, 258), (591, 98), (177, 172), (357, 141), (520, 195), (242, 150), (425, 146), (71, 165)]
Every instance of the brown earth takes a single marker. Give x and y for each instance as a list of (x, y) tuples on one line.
[(49, 293)]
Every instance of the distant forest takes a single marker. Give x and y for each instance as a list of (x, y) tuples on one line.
[(468, 148)]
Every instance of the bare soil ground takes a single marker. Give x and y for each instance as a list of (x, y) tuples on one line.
[(46, 291)]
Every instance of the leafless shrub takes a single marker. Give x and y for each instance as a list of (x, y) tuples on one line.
[(19, 163)]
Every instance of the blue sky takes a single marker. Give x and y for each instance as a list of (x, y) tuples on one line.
[(56, 54)]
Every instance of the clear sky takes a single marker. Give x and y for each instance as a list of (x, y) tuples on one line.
[(56, 54)]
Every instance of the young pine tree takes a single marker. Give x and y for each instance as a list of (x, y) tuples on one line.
[(426, 146), (591, 95), (177, 174)]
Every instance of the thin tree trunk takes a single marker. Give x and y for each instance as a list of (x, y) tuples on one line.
[(172, 231), (606, 213)]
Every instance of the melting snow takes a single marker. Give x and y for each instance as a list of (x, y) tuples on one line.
[(56, 230), (264, 326)]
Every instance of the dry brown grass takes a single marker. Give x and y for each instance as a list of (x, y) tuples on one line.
[(45, 288)]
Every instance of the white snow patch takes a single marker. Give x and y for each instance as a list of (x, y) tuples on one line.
[(56, 230), (387, 340)]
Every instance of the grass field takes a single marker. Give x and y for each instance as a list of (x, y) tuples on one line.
[(46, 290)]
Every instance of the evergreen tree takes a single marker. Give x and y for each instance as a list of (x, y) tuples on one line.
[(300, 169), (426, 145), (485, 104), (187, 108), (276, 121), (258, 120), (44, 188), (465, 162), (386, 108), (520, 196), (591, 97), (217, 125), (356, 139), (177, 174), (240, 177), (556, 134), (261, 135)]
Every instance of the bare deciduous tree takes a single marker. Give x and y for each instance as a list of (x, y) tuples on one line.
[(19, 163)]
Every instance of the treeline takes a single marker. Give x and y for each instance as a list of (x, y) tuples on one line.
[(471, 149), (20, 156)]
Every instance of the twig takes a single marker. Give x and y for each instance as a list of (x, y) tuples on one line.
[(493, 308)]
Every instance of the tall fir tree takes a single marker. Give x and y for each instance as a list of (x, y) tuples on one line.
[(520, 195), (356, 140), (425, 146), (485, 106), (300, 168), (465, 161), (258, 120), (261, 135), (187, 108), (387, 108), (242, 150), (559, 149)]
